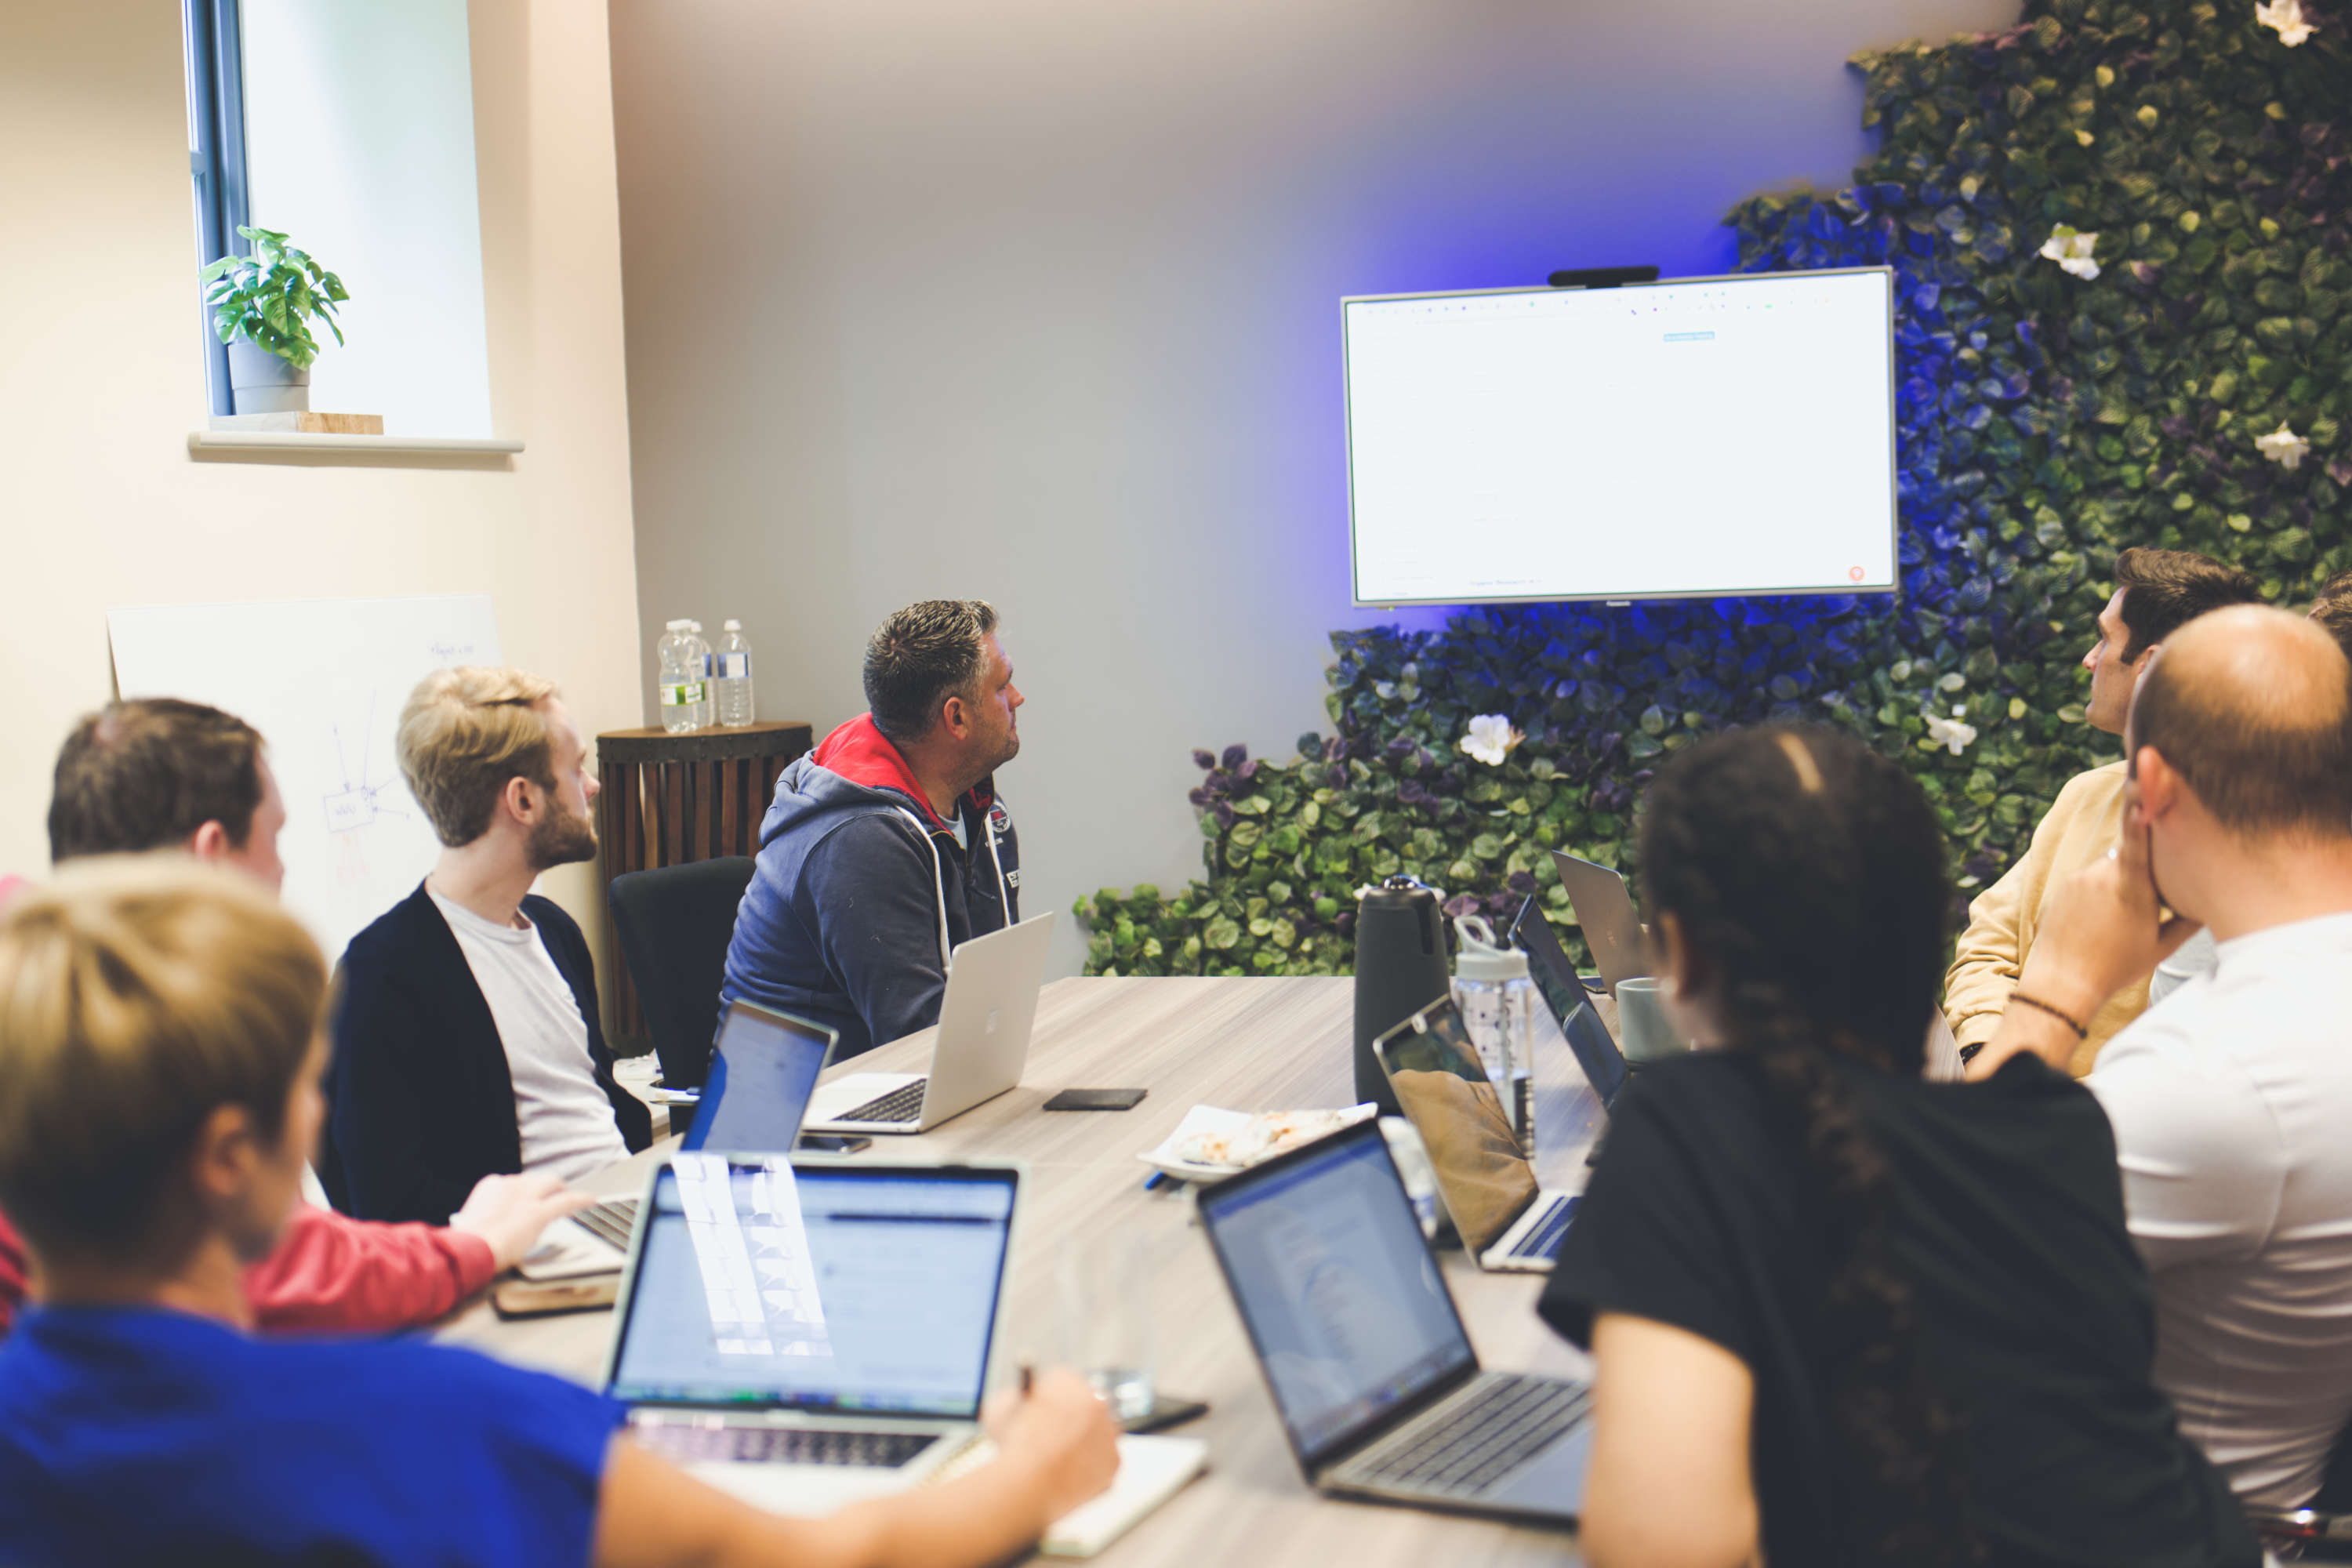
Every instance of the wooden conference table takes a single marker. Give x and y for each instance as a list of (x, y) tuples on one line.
[(1246, 1045)]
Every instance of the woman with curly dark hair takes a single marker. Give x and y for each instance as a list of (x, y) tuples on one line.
[(1841, 1315)]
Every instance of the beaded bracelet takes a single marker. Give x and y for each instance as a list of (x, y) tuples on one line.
[(2082, 1031)]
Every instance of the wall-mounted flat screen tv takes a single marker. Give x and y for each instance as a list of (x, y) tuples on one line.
[(1694, 436)]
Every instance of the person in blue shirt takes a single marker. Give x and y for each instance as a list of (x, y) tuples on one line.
[(161, 1038)]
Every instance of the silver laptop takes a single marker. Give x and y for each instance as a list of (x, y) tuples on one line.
[(762, 1072), (804, 1334), (1378, 1391), (1505, 1220), (1604, 912), (983, 1041)]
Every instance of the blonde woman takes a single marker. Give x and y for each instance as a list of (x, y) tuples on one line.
[(160, 1036)]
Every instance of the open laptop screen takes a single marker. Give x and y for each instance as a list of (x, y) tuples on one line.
[(848, 1288), (1442, 1086), (1603, 912), (1595, 1049), (760, 1080), (1340, 1293)]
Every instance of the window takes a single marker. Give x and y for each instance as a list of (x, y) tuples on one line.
[(216, 156), (349, 127)]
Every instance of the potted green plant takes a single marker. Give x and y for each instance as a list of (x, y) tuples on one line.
[(262, 307)]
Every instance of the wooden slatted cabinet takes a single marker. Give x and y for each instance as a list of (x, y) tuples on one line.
[(670, 799)]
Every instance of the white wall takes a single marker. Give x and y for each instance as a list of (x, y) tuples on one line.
[(101, 502), (1037, 301), (360, 147)]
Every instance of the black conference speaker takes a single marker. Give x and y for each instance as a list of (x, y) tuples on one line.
[(1400, 970)]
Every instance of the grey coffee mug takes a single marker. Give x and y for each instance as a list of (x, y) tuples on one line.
[(1643, 1032)]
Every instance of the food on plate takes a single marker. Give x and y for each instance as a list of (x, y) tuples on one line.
[(1263, 1136)]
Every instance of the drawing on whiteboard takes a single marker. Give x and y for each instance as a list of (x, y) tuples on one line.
[(355, 842), (359, 803)]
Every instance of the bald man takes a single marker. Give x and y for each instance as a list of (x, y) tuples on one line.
[(2231, 1104), (2331, 611)]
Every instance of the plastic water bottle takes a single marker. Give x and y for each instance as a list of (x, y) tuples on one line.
[(697, 659), (681, 688), (1496, 996), (733, 681)]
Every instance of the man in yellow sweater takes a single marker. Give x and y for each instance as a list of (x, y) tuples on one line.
[(2157, 592)]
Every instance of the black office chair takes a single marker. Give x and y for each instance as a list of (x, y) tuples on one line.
[(674, 924)]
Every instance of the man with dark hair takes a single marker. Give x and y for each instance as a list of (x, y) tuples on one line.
[(2333, 609), (2229, 1102), (161, 774), (887, 846), (2158, 592)]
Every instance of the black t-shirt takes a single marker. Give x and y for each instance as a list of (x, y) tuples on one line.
[(2036, 1319)]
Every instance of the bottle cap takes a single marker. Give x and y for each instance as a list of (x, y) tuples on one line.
[(676, 627), (1481, 956), (730, 625)]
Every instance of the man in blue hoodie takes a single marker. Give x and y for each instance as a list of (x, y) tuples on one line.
[(887, 846)]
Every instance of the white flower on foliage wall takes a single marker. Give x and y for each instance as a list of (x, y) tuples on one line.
[(1950, 732), (1491, 738), (2072, 251), (2287, 17), (2282, 446)]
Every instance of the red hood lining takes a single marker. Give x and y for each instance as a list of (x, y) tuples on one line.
[(860, 752)]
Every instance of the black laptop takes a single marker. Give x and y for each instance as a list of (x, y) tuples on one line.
[(1595, 1049)]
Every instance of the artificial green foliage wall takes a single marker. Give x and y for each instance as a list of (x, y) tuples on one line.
[(2048, 419)]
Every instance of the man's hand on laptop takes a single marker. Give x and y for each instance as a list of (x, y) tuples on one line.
[(1061, 1433), (509, 1212)]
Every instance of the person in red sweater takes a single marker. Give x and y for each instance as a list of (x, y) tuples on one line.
[(161, 774)]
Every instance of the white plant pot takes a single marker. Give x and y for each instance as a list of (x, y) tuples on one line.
[(262, 382)]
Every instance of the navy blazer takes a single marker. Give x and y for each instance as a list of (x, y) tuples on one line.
[(420, 1104)]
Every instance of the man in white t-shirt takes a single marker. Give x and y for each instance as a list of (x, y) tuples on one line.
[(466, 1038), (2231, 1104)]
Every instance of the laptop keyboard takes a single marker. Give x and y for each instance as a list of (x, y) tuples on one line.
[(612, 1220), (899, 1105), (784, 1445), (1510, 1420), (1544, 1240)]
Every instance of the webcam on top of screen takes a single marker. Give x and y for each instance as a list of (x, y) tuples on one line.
[(1602, 277)]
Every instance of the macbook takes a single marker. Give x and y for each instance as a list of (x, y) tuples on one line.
[(803, 1335), (983, 1041), (1604, 912), (1505, 1220), (1378, 1389), (762, 1073)]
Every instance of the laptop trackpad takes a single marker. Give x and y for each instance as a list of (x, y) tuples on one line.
[(1553, 1481), (805, 1489)]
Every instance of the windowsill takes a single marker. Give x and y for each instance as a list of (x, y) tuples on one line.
[(259, 441)]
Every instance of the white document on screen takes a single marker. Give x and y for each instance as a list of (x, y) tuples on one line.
[(323, 681), (1692, 437)]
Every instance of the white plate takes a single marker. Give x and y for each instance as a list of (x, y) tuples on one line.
[(1212, 1119)]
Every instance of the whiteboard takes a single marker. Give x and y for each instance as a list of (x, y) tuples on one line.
[(323, 681)]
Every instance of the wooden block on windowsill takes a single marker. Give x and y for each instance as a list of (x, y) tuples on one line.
[(305, 423)]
